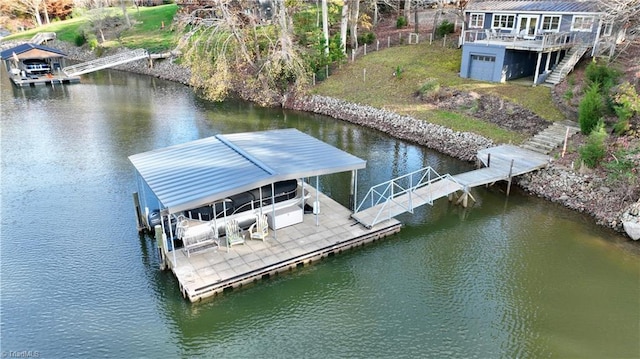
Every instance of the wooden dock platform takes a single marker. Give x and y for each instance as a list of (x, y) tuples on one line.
[(43, 80), (209, 272)]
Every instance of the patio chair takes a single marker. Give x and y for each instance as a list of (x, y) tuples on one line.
[(233, 233), (260, 229)]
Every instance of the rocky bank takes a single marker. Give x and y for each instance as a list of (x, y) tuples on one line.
[(586, 193)]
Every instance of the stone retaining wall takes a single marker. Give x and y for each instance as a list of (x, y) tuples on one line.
[(461, 145)]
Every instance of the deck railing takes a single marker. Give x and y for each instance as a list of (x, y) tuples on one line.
[(538, 42)]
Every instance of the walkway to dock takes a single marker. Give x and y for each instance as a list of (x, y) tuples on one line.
[(209, 272), (421, 187), (105, 62)]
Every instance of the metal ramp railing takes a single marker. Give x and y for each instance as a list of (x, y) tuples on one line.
[(41, 37), (105, 62), (402, 194)]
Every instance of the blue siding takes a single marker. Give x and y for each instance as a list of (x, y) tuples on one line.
[(470, 50)]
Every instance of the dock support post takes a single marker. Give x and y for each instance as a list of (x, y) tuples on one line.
[(136, 204), (354, 183), (160, 244), (510, 177)]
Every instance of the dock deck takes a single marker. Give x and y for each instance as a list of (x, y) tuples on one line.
[(42, 80), (208, 272), (502, 162)]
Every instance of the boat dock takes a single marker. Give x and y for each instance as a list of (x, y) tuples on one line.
[(213, 270), (301, 228)]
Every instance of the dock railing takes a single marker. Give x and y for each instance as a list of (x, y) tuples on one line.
[(386, 193)]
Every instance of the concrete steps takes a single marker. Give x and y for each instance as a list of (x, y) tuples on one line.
[(553, 136)]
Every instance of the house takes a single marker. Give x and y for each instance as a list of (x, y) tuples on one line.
[(509, 39)]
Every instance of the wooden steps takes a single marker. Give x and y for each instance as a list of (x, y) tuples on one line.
[(553, 136)]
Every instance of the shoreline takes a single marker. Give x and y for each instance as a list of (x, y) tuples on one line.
[(584, 193)]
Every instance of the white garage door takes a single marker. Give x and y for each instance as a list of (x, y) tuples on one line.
[(482, 67)]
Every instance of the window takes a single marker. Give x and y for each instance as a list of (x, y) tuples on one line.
[(582, 23), (551, 23), (476, 21), (503, 21), (483, 58)]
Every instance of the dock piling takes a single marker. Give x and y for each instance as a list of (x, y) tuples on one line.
[(136, 204)]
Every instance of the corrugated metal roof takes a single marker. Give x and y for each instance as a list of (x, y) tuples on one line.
[(196, 173), (566, 6), (7, 54)]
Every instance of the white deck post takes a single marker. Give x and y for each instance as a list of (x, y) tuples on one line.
[(354, 188), (316, 204), (535, 78), (273, 209), (546, 67)]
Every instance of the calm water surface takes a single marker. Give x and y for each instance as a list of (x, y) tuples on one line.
[(509, 277)]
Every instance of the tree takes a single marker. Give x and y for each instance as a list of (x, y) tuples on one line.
[(622, 15), (124, 13), (31, 7), (344, 23), (325, 26), (230, 50)]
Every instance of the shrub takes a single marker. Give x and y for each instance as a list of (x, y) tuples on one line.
[(444, 28), (590, 109), (367, 38), (431, 85), (398, 72), (568, 95), (626, 103), (401, 22), (594, 150), (602, 74), (625, 166), (80, 40)]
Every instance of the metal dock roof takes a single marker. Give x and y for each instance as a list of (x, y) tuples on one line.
[(199, 172)]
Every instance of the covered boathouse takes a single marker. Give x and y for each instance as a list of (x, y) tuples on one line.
[(203, 197), (31, 64)]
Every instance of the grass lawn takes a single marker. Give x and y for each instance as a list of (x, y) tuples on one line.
[(420, 63), (146, 32)]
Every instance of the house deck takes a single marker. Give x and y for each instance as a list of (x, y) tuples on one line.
[(208, 272)]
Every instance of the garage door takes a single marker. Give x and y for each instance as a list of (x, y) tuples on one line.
[(482, 67)]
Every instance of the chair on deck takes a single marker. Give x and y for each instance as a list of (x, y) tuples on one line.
[(260, 229), (233, 233)]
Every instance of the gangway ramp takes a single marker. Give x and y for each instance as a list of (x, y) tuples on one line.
[(105, 62), (403, 194), (41, 37)]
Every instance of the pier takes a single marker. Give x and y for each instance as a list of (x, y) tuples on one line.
[(404, 193)]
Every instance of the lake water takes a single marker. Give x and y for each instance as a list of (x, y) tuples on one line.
[(509, 277)]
